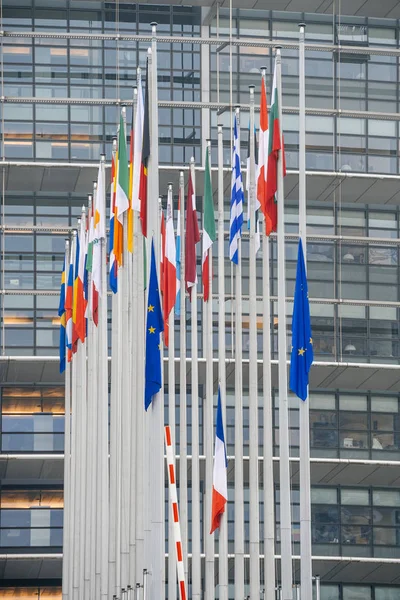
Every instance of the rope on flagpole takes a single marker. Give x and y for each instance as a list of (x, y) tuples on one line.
[(173, 495)]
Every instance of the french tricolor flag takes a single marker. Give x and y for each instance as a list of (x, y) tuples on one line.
[(220, 484)]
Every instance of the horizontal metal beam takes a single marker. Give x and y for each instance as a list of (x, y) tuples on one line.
[(218, 106), (208, 41)]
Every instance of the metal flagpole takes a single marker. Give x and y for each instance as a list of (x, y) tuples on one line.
[(74, 563), (90, 474), (208, 410), (195, 425), (305, 491), (223, 530), (66, 591), (254, 507), (126, 345), (102, 435), (157, 407), (268, 472), (284, 467), (82, 457), (183, 383), (239, 483), (171, 422), (113, 436), (133, 291)]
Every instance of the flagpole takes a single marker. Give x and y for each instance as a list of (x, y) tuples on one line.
[(183, 384), (223, 530), (103, 412), (195, 416), (171, 422), (82, 347), (113, 435), (196, 529), (284, 466), (305, 491), (253, 381), (66, 590), (157, 409), (74, 564), (239, 493), (90, 475), (208, 410), (133, 293), (268, 472), (126, 344)]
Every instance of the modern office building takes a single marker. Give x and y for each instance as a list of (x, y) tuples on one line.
[(66, 68)]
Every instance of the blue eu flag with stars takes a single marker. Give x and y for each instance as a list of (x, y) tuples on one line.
[(154, 327), (302, 343)]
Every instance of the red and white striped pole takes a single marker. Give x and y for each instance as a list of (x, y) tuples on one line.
[(175, 512)]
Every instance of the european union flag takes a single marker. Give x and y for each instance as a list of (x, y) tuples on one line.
[(302, 343), (154, 327)]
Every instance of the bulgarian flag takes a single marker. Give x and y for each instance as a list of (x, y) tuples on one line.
[(275, 145), (209, 234), (169, 267)]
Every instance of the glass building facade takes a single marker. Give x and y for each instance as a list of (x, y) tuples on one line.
[(67, 66)]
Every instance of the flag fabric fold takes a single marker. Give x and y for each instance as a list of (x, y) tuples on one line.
[(62, 315), (154, 327), (257, 203), (192, 238), (137, 146), (169, 266), (145, 154), (302, 344), (236, 212), (113, 265), (98, 236), (209, 233), (69, 303), (220, 483), (178, 259), (275, 146)]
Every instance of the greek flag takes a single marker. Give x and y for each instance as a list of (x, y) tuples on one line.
[(237, 196)]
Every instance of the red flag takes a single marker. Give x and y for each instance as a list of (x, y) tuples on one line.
[(192, 238), (162, 258)]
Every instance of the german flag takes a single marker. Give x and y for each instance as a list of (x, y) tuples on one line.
[(145, 157)]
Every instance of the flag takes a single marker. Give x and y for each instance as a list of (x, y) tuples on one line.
[(137, 147), (236, 217), (90, 236), (257, 203), (69, 305), (62, 315), (162, 239), (262, 149), (275, 146), (178, 259), (99, 234), (122, 192), (145, 154), (220, 483), (79, 291), (169, 265), (209, 234), (76, 292), (154, 327), (192, 238), (302, 342), (130, 186), (113, 265)]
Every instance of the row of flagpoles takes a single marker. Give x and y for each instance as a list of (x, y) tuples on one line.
[(114, 451)]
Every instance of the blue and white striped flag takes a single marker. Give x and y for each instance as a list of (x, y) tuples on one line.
[(237, 196)]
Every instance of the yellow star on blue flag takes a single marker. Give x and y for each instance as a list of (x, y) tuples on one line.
[(154, 327), (302, 347)]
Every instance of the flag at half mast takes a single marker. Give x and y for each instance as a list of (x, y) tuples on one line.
[(302, 343), (209, 233)]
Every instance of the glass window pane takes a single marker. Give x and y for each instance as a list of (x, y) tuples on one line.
[(353, 592), (357, 403), (354, 496), (323, 495), (386, 498)]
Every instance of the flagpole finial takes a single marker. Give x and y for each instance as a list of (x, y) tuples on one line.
[(302, 26), (192, 161), (219, 126), (138, 73), (263, 69), (102, 158), (170, 186), (153, 26), (237, 110), (90, 201), (278, 52), (149, 52)]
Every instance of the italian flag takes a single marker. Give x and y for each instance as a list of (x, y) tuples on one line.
[(209, 234), (275, 145), (169, 268)]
